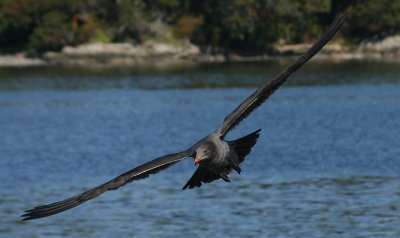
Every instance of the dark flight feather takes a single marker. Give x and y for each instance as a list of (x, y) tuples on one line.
[(262, 93), (243, 145), (137, 173)]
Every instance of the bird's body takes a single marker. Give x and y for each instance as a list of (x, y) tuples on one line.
[(215, 156), (221, 157)]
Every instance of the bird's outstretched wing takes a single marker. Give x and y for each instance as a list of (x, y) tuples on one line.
[(262, 93), (137, 173)]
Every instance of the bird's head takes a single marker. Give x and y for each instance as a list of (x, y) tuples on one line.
[(204, 152)]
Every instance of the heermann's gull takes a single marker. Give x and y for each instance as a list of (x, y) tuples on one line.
[(215, 156)]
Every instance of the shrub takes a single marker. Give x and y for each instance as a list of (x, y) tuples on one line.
[(187, 25), (52, 33), (373, 19)]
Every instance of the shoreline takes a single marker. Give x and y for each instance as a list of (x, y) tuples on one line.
[(20, 60), (154, 53)]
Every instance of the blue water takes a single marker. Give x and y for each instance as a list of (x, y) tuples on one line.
[(326, 165)]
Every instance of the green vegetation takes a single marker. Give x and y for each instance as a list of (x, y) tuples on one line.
[(221, 26)]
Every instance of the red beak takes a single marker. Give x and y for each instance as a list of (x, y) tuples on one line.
[(197, 160)]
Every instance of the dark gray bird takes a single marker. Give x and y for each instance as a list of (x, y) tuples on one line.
[(215, 156)]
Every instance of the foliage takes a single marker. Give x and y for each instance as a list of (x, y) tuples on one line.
[(374, 19), (187, 25), (239, 26), (51, 33), (128, 24)]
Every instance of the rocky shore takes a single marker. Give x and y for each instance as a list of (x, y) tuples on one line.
[(123, 54), (156, 53), (19, 60)]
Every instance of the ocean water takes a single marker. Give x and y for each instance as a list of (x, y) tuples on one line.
[(327, 163)]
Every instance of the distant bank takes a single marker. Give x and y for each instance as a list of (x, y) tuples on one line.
[(124, 54)]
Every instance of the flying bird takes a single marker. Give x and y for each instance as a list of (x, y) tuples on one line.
[(216, 157)]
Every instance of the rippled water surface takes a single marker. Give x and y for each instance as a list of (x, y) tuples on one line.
[(326, 165)]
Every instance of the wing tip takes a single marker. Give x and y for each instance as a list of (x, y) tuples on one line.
[(28, 215)]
